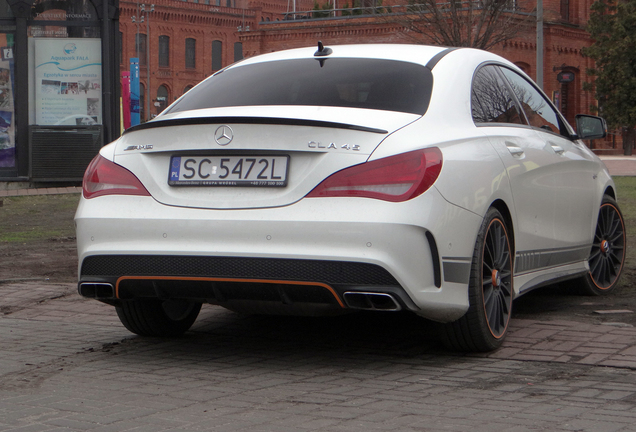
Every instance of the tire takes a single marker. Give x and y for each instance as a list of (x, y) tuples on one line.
[(608, 252), (484, 325), (158, 318)]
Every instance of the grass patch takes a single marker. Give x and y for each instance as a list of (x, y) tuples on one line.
[(626, 191), (36, 218)]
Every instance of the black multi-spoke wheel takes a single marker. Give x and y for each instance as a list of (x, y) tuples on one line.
[(158, 318), (608, 251), (490, 291), (496, 278)]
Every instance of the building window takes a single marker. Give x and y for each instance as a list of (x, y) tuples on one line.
[(525, 67), (162, 98), (164, 51), (190, 53), (217, 55), (120, 47), (140, 48), (565, 10), (238, 51), (228, 3)]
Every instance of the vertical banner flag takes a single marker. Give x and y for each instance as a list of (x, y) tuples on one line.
[(125, 98), (134, 91)]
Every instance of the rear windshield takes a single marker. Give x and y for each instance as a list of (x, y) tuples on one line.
[(359, 83)]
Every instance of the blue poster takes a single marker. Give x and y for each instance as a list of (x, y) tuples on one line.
[(134, 91)]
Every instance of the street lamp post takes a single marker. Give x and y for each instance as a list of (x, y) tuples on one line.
[(147, 19), (136, 19), (142, 16)]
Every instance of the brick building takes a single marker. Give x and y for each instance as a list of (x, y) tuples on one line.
[(179, 43), (189, 41)]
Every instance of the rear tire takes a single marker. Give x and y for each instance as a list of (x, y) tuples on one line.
[(158, 318), (484, 325), (608, 252)]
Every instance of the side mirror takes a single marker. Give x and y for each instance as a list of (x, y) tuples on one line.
[(590, 127)]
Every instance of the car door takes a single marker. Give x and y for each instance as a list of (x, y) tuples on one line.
[(571, 170), (528, 164)]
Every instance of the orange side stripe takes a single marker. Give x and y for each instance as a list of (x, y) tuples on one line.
[(267, 281)]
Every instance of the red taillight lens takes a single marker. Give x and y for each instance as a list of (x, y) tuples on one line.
[(395, 178), (103, 177)]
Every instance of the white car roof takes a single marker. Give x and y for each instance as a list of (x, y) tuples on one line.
[(419, 54), (411, 53)]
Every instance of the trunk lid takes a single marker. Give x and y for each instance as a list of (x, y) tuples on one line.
[(316, 141)]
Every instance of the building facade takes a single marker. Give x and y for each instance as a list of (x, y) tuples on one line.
[(59, 62), (179, 43), (563, 37)]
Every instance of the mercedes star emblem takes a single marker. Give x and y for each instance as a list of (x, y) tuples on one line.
[(223, 135)]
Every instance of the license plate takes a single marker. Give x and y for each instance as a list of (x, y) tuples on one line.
[(228, 171)]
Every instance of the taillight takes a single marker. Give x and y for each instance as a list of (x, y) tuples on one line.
[(103, 177), (395, 178)]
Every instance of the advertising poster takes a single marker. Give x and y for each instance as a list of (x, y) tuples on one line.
[(7, 128), (68, 81)]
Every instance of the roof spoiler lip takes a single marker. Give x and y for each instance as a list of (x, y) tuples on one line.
[(190, 121)]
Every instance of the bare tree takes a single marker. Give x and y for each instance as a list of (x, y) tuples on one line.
[(462, 23)]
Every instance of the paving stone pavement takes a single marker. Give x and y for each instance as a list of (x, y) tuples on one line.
[(67, 364)]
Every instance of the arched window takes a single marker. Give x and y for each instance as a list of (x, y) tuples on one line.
[(164, 51), (187, 89), (568, 95), (565, 10), (238, 51), (140, 48), (190, 53), (162, 98), (217, 55), (524, 67)]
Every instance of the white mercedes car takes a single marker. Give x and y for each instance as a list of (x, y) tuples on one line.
[(439, 181)]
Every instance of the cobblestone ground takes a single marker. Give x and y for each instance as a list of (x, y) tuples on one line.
[(67, 364)]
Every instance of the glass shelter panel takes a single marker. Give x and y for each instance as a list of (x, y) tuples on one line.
[(65, 64), (7, 102)]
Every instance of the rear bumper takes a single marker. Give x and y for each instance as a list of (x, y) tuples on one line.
[(316, 250)]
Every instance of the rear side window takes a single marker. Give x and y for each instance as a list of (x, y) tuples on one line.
[(359, 83), (538, 110), (491, 101)]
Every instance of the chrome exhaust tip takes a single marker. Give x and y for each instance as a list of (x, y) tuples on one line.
[(371, 301), (97, 290)]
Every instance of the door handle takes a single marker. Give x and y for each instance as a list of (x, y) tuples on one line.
[(514, 149), (557, 149)]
